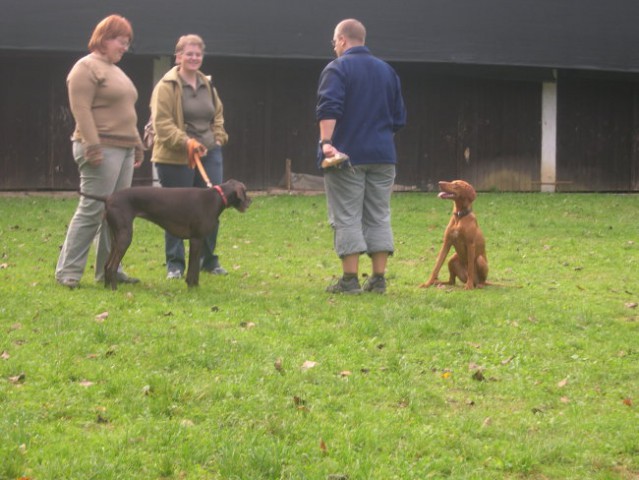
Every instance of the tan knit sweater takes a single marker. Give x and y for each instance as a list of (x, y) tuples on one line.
[(102, 100)]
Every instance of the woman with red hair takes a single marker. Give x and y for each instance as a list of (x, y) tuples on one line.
[(106, 144)]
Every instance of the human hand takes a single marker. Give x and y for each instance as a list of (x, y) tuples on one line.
[(93, 155), (193, 145), (138, 157), (328, 150)]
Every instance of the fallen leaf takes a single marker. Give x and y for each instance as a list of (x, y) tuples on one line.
[(187, 423), (278, 364), (627, 402), (147, 390), (345, 373), (323, 447), (564, 400), (446, 374), (4, 266), (506, 361), (563, 383), (20, 378), (101, 419), (631, 305), (101, 317), (473, 366), (247, 325), (86, 383), (487, 422), (5, 355), (298, 401), (479, 376), (308, 364)]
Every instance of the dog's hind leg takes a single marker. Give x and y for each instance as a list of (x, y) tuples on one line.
[(481, 271)]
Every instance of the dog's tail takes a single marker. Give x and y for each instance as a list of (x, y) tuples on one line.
[(92, 197)]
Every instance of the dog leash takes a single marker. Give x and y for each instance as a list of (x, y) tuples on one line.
[(194, 160)]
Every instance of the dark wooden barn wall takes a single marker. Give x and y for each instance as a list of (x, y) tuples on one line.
[(36, 122), (269, 112), (485, 129), (598, 149)]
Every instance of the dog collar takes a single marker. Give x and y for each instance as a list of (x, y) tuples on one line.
[(463, 213), (218, 189)]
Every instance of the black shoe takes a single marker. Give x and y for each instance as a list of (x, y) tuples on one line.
[(375, 284), (217, 271), (348, 286), (69, 283), (124, 278)]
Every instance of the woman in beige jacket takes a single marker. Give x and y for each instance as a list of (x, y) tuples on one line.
[(185, 105)]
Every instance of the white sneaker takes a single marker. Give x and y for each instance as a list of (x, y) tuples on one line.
[(174, 275)]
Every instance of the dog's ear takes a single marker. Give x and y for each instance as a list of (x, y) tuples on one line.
[(468, 190), (472, 195), (243, 200)]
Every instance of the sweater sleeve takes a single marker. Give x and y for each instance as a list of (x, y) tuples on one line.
[(82, 85)]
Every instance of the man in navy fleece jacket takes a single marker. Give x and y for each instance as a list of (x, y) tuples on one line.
[(359, 109)]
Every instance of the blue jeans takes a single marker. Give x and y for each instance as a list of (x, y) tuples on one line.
[(172, 176)]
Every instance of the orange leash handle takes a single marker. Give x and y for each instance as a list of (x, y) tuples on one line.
[(193, 147)]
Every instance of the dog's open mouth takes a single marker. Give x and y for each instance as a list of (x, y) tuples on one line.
[(446, 195)]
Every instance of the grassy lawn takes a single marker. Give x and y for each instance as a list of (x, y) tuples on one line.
[(534, 378)]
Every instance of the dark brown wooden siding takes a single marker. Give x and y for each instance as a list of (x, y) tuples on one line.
[(598, 145), (480, 125), (36, 122), (486, 131)]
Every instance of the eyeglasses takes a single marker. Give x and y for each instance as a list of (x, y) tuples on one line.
[(123, 41)]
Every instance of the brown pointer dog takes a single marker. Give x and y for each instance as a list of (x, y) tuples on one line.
[(469, 263), (189, 213)]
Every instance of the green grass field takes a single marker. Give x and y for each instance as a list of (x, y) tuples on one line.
[(262, 375)]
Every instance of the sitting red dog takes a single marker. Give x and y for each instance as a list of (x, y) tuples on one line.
[(469, 263)]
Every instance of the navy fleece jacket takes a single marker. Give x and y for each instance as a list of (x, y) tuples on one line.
[(363, 94)]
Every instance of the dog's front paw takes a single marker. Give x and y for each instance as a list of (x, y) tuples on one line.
[(428, 283)]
